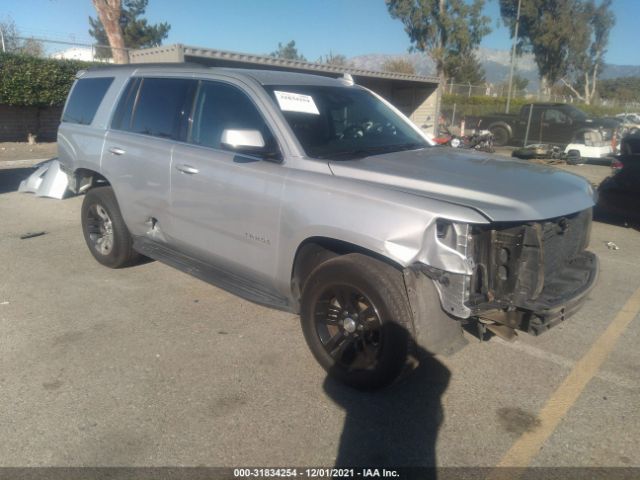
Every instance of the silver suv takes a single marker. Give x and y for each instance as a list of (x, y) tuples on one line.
[(316, 196)]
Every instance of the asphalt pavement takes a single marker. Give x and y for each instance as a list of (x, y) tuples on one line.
[(147, 366)]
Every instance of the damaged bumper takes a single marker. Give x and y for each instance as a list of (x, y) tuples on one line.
[(560, 298), (526, 277), (49, 180)]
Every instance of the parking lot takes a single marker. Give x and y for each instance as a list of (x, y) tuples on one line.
[(146, 366)]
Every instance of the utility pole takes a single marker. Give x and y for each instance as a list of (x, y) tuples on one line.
[(513, 58)]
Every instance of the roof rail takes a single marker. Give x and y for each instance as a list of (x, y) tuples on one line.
[(124, 66)]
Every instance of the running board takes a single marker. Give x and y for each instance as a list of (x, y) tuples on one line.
[(214, 275)]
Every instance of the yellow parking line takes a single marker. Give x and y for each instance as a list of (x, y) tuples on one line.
[(528, 445)]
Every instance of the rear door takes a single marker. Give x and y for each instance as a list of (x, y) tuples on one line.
[(137, 152), (225, 205)]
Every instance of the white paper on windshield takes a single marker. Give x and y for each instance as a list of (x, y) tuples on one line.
[(296, 102)]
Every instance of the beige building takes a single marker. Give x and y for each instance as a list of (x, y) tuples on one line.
[(415, 95)]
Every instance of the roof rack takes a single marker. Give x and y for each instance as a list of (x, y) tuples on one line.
[(124, 66)]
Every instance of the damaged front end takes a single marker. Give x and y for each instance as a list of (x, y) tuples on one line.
[(524, 276)]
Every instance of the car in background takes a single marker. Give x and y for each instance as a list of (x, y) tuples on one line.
[(556, 124), (629, 117)]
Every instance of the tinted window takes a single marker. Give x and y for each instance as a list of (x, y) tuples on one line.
[(122, 117), (220, 106), (85, 100), (555, 116), (161, 106)]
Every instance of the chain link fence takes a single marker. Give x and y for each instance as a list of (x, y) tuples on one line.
[(62, 49), (465, 100)]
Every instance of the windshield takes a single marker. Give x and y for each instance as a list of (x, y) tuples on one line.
[(343, 122)]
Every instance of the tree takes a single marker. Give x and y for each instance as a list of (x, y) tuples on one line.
[(519, 83), (108, 30), (124, 21), (588, 48), (622, 89), (546, 29), (399, 65), (11, 36), (288, 52), (466, 69), (334, 59), (519, 86), (446, 30), (33, 47), (13, 43)]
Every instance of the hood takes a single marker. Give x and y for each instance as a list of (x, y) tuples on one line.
[(503, 190)]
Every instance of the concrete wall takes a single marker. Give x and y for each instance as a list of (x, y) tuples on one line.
[(16, 123)]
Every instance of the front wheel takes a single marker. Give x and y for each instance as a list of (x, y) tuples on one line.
[(357, 320), (104, 229), (500, 136)]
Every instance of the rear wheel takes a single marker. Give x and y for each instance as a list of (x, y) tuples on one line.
[(104, 229), (357, 321), (500, 136)]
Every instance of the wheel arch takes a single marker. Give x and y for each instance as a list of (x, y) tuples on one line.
[(85, 179), (315, 250), (501, 124)]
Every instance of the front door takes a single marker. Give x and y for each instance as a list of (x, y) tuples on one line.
[(225, 206)]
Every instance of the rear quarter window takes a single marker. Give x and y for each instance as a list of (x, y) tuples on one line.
[(86, 96)]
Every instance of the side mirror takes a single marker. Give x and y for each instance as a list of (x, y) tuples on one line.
[(247, 141), (242, 139)]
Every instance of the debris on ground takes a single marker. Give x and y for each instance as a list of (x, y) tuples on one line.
[(612, 246), (32, 235), (4, 303)]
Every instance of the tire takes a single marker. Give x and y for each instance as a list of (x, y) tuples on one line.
[(501, 136), (574, 158), (357, 321), (104, 230)]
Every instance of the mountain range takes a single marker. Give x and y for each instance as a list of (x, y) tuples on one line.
[(496, 64)]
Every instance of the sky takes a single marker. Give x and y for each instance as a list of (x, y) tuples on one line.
[(348, 27)]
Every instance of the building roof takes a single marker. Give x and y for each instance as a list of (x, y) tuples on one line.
[(227, 58)]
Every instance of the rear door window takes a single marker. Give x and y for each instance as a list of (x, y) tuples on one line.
[(86, 96), (161, 107)]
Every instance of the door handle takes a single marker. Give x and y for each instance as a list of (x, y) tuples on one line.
[(188, 169), (117, 151)]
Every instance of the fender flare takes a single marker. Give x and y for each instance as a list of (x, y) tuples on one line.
[(502, 124)]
